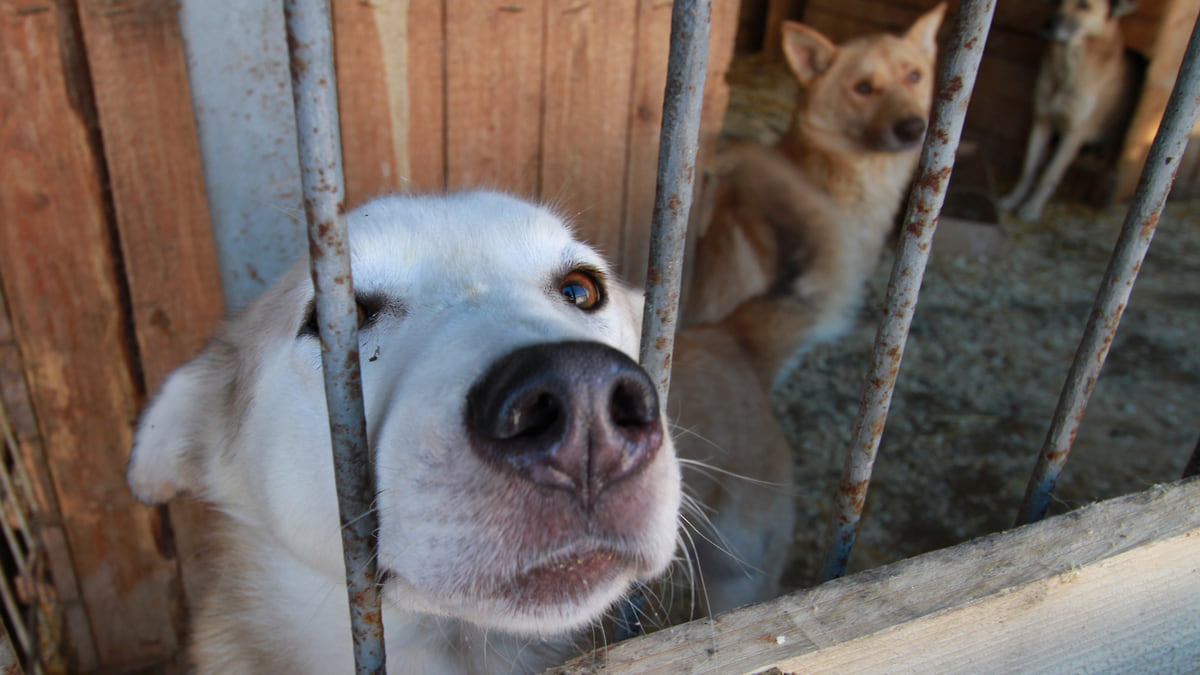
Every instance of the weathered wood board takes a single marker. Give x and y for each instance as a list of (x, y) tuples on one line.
[(60, 275), (1113, 587)]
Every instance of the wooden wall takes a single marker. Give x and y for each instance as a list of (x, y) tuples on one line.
[(109, 274), (554, 99), (107, 271)]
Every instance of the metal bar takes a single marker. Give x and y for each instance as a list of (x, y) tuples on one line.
[(683, 99), (310, 45), (1158, 174), (955, 83)]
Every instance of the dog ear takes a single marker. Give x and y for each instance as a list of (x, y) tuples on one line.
[(172, 432), (1120, 8), (924, 30), (808, 52)]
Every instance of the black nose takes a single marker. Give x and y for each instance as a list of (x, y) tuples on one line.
[(571, 415), (909, 129)]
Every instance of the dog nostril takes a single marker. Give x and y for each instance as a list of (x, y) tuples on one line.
[(572, 415), (909, 129), (534, 417), (631, 406)]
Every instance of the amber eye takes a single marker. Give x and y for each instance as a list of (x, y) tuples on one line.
[(914, 76), (863, 87), (581, 289)]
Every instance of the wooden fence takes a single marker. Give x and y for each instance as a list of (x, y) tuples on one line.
[(107, 257)]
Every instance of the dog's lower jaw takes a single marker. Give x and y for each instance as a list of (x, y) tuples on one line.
[(273, 613)]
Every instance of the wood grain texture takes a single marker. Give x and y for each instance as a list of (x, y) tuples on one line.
[(494, 54), (645, 124), (139, 76), (1111, 587), (589, 68), (58, 268), (20, 421), (369, 156), (390, 68), (425, 140), (136, 59)]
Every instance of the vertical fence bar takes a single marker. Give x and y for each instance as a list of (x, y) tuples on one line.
[(678, 144), (1158, 175), (955, 83), (683, 99), (310, 46)]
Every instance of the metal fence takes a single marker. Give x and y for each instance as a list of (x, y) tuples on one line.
[(314, 88), (315, 92)]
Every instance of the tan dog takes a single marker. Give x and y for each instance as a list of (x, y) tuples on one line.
[(525, 478), (1083, 87), (737, 471), (808, 217)]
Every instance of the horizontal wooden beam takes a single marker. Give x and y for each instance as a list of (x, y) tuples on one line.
[(1113, 587)]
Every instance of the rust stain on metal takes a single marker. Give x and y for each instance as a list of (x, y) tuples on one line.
[(855, 494), (933, 180), (953, 86)]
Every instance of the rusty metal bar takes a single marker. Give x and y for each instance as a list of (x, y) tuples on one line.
[(314, 88), (687, 65), (955, 83), (1158, 175)]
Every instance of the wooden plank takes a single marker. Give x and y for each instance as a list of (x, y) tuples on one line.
[(135, 55), (368, 121), (139, 76), (17, 415), (841, 20), (426, 79), (589, 68), (58, 272), (494, 94), (645, 123), (390, 90), (1113, 586)]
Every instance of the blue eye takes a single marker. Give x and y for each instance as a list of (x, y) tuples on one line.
[(581, 289)]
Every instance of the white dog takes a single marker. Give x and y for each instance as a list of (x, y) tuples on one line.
[(525, 479)]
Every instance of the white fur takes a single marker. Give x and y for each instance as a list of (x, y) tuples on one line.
[(467, 279)]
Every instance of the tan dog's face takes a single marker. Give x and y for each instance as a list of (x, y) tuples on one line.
[(1082, 18), (870, 94)]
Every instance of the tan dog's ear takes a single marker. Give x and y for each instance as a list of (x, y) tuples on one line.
[(808, 52), (173, 431), (924, 30)]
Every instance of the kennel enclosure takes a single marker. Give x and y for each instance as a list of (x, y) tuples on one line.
[(110, 273)]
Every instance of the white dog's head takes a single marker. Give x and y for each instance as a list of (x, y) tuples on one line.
[(524, 475)]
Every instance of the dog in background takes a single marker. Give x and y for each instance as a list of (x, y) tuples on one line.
[(525, 477), (808, 217), (1085, 87)]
